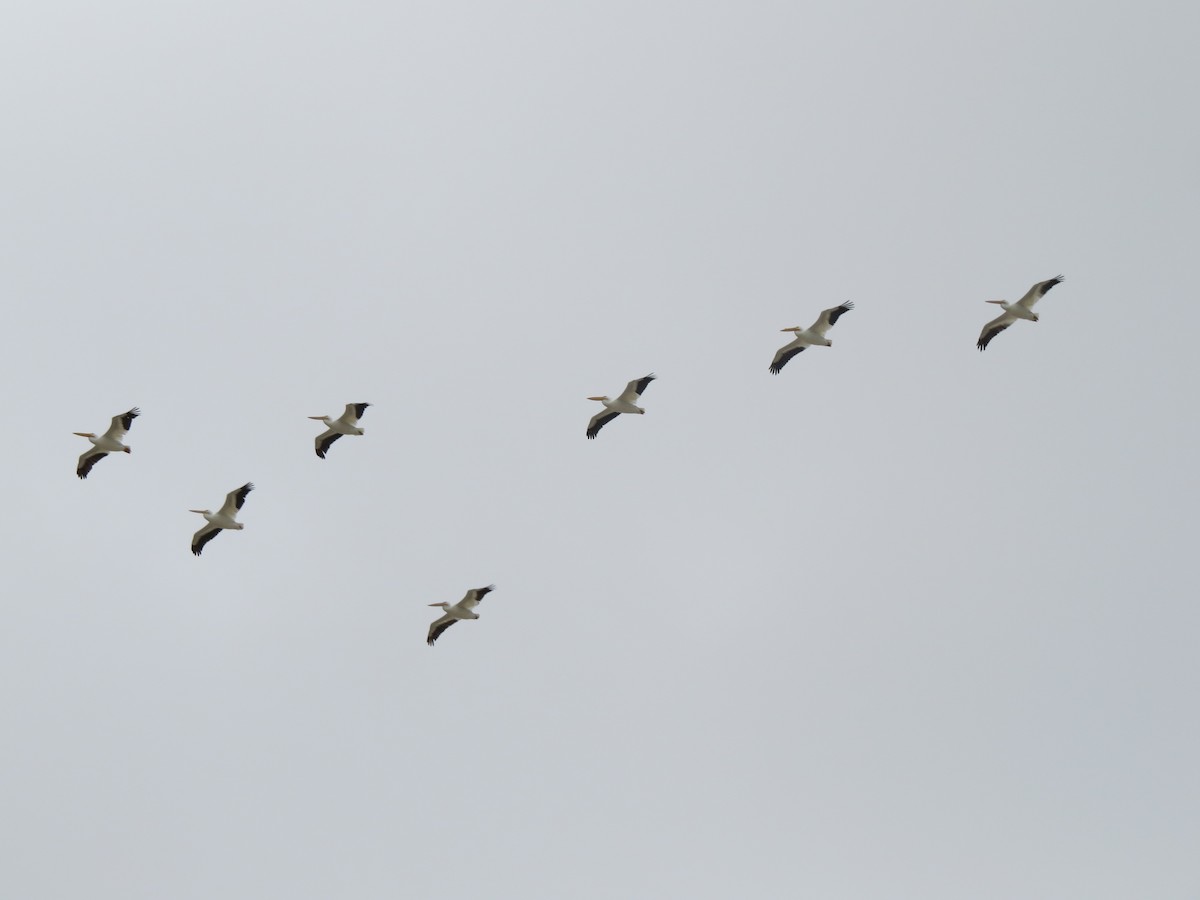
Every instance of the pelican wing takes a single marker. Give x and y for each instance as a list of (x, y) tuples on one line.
[(474, 596), (599, 420), (829, 317), (203, 536), (325, 441), (120, 424), (635, 388), (993, 328), (1035, 293), (438, 626), (88, 459), (784, 353), (235, 499), (354, 412)]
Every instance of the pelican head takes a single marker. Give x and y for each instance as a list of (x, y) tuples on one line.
[(601, 399)]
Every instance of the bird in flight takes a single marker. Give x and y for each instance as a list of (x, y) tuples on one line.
[(109, 442), (625, 403)]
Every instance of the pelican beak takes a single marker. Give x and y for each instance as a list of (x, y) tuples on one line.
[(595, 398), (83, 433), (433, 604), (196, 510), (316, 417), (997, 302), (793, 328)]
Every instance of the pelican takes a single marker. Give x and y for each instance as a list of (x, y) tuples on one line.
[(813, 335), (623, 404), (463, 609), (347, 423), (109, 442), (225, 517), (1022, 309)]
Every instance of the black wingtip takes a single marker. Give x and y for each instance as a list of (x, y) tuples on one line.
[(1049, 283)]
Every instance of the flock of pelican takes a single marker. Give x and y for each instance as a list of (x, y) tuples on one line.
[(225, 518)]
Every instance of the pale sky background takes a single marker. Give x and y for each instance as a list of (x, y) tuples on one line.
[(906, 621)]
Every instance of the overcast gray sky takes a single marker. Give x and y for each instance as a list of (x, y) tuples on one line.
[(906, 621)]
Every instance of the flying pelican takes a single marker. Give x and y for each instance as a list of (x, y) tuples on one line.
[(463, 609), (347, 423), (225, 517), (1022, 309), (814, 335), (623, 404), (109, 442)]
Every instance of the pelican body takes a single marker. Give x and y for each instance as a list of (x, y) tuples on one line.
[(463, 609), (104, 444), (223, 519), (625, 403), (346, 423), (1022, 309), (812, 336)]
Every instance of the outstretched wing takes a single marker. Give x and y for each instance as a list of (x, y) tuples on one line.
[(325, 441), (829, 317), (993, 328), (121, 423), (235, 499), (635, 388), (599, 420), (87, 460), (783, 354), (474, 595), (203, 536), (1035, 293), (354, 412), (436, 629)]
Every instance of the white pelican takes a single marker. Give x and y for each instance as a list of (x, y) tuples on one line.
[(813, 335), (225, 517), (463, 609), (347, 423), (109, 442), (1022, 309), (623, 404)]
